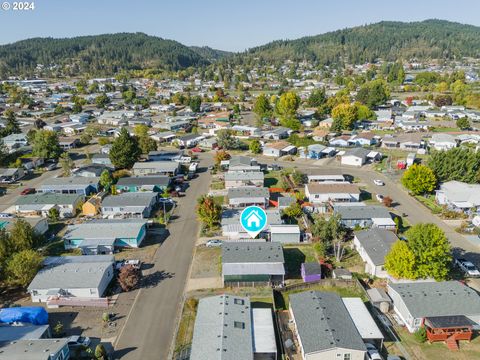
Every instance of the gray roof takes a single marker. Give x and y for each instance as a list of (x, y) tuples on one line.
[(377, 243), (31, 349), (161, 180), (248, 192), (157, 165), (48, 198), (71, 273), (251, 252), (105, 229), (70, 182), (242, 175), (323, 322), (215, 335), (240, 160), (312, 268), (362, 212), (129, 199), (97, 169), (359, 152), (232, 217), (444, 298), (27, 331), (285, 201)]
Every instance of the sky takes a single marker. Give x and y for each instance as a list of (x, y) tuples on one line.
[(227, 25)]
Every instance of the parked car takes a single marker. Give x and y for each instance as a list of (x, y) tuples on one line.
[(274, 167), (6, 215), (197, 150), (214, 243), (210, 167), (372, 352), (51, 166), (379, 197), (378, 182), (468, 267), (3, 191), (76, 341), (27, 191), (133, 262)]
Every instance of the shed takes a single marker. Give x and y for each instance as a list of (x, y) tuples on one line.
[(380, 299), (311, 271), (341, 274)]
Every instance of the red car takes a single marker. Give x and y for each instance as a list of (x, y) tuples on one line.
[(27, 191), (197, 150)]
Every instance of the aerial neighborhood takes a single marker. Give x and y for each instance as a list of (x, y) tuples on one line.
[(129, 169)]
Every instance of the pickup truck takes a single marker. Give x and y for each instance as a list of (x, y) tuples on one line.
[(468, 267)]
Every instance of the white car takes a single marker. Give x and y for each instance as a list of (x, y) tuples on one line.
[(214, 243), (76, 341), (379, 197), (6, 215), (378, 182), (372, 352), (468, 267)]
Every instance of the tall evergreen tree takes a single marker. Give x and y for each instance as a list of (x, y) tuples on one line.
[(125, 150)]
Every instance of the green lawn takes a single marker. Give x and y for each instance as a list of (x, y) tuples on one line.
[(445, 129), (295, 255), (430, 203), (272, 178)]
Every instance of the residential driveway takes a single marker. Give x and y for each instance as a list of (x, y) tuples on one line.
[(151, 324)]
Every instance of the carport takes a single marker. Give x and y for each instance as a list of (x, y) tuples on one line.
[(363, 321)]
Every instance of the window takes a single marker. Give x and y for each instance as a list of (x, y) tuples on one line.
[(239, 301), (239, 324), (93, 291), (347, 356)]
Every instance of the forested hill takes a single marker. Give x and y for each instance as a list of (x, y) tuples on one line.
[(100, 54), (210, 54), (429, 39)]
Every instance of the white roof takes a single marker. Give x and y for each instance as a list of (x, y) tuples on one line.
[(383, 221), (284, 229), (263, 333), (362, 319), (289, 148)]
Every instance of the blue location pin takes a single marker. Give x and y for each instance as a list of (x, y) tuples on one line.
[(253, 219)]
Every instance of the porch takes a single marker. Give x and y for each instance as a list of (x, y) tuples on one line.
[(449, 329)]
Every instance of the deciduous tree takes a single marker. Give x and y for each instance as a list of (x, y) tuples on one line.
[(66, 163), (129, 277), (45, 144), (22, 267), (419, 179), (208, 211), (255, 147)]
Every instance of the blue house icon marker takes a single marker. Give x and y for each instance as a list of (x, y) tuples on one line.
[(253, 219)]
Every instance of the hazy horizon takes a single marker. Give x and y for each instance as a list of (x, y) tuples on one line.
[(219, 25)]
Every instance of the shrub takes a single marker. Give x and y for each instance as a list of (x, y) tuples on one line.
[(420, 335)]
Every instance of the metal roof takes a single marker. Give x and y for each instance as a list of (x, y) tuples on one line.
[(129, 199), (161, 180), (448, 321), (71, 274), (223, 329), (377, 243), (105, 229), (244, 175), (362, 212), (69, 182), (323, 322), (48, 198), (263, 332), (39, 349), (445, 298), (248, 192), (362, 319), (252, 252)]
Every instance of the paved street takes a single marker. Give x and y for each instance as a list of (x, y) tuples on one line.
[(151, 325)]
